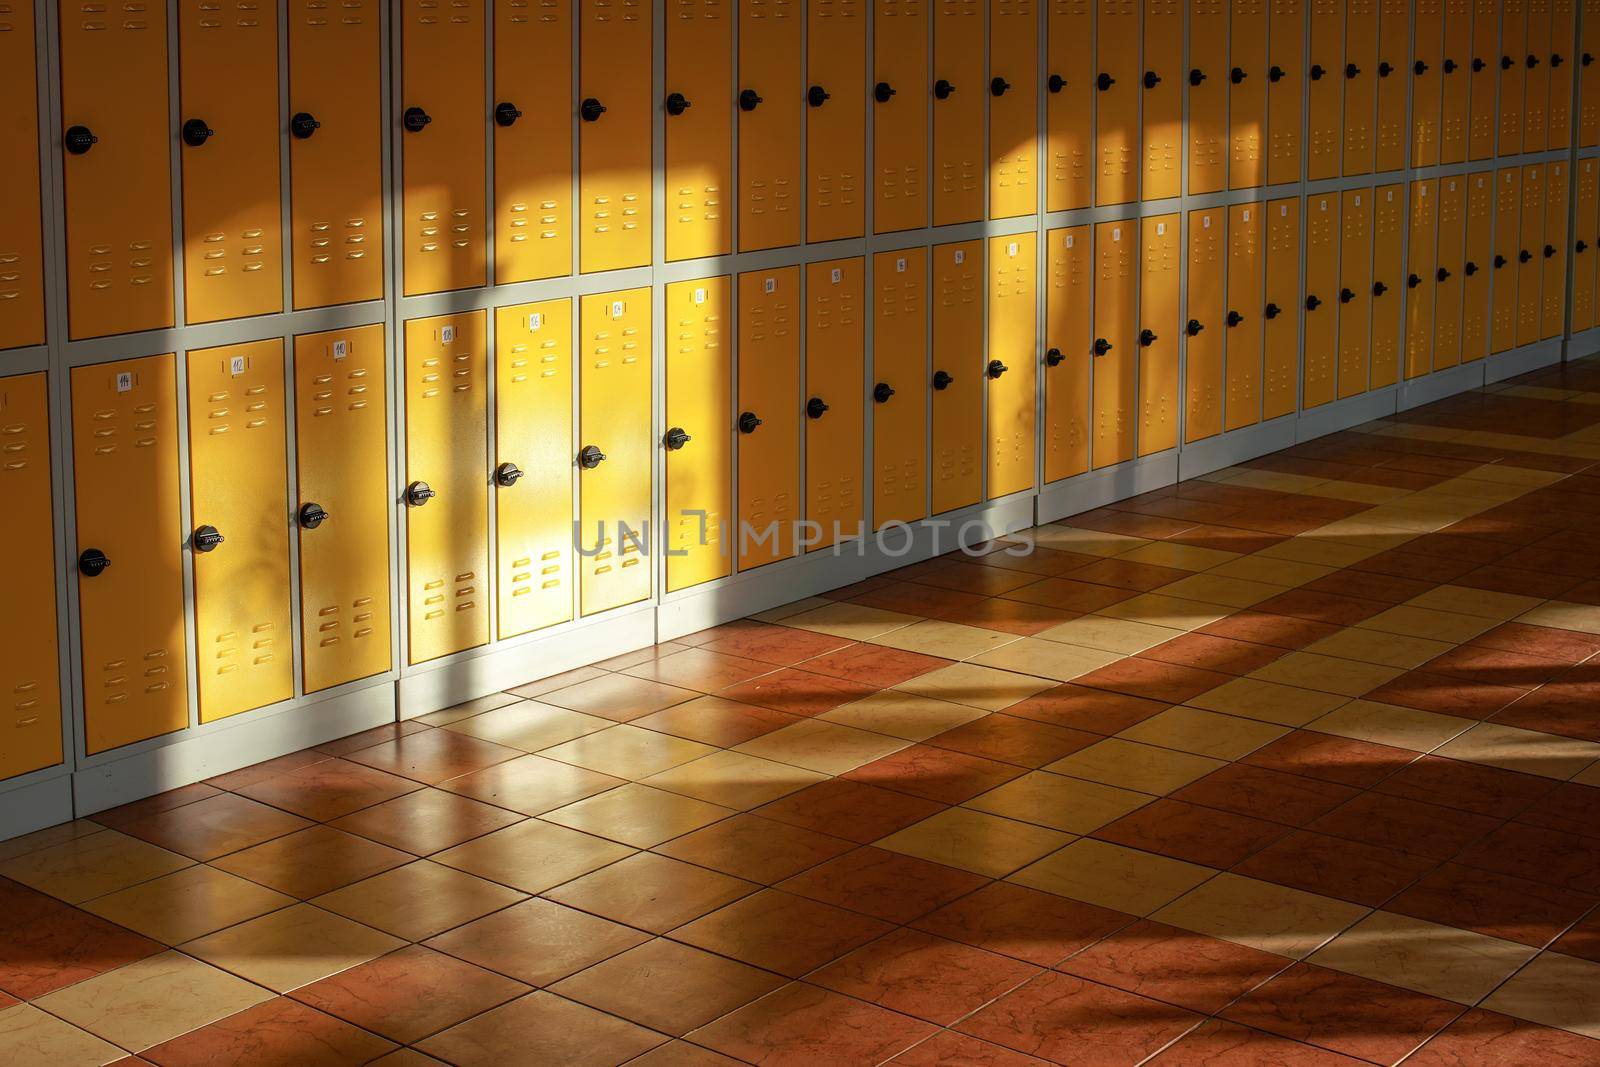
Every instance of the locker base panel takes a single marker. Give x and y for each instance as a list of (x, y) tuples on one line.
[(1522, 360), (1096, 489), (1228, 449), (1343, 414), (1439, 384), (35, 805), (1583, 343)]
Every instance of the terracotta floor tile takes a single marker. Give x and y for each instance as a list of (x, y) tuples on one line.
[(1217, 654), (418, 900), (966, 576), (1009, 739), (1407, 825), (531, 785), (1539, 855), (292, 947), (682, 1054), (1561, 645), (1154, 681), (1446, 695), (1261, 915), (186, 904), (803, 1024), (851, 810), (1572, 807), (924, 976), (755, 848), (533, 856), (1499, 905), (910, 598), (617, 697), (936, 774), (91, 866), (714, 720), (1204, 733), (1081, 708), (278, 1031), (389, 731), (948, 1047), (46, 945), (1335, 867), (1191, 833), (1216, 1041), (1330, 758), (873, 664), (1066, 1019), (538, 941), (1472, 787), (797, 692), (426, 821), (119, 817), (1488, 1037), (1203, 974), (780, 932), (468, 709), (541, 1028), (886, 885), (782, 646), (1268, 628), (667, 986), (329, 789), (1261, 793), (1026, 924), (313, 861), (1010, 616), (700, 669), (651, 892), (434, 755)]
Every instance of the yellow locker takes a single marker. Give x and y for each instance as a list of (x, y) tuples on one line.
[(1475, 275), (1160, 92), (1455, 81), (835, 422), (1280, 374), (1068, 327), (1530, 261), (1012, 369), (116, 172), (1069, 107), (1013, 108), (1389, 281), (1536, 83), (533, 466), (698, 440), (1448, 277), (441, 147), (532, 112), (1117, 92), (1558, 123), (1589, 77), (615, 114), (1242, 337), (130, 550), (1554, 250), (1247, 93), (1484, 80), (1394, 48), (899, 365), (1322, 300), (900, 116), (1355, 292), (959, 154), (699, 140), (335, 155), (1113, 362), (28, 653), (615, 451), (769, 415), (1513, 75), (1427, 83), (1205, 314), (1360, 84), (1285, 89), (958, 375), (769, 104), (836, 54), (1507, 253), (1208, 96), (1162, 250), (1587, 226), (21, 262), (232, 207), (1324, 133), (239, 491), (342, 449), (447, 541)]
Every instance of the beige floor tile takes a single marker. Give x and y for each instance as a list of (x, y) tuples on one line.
[(903, 715), (1554, 990), (1529, 751), (1047, 659), (534, 856), (734, 779), (1441, 961), (1425, 622), (1359, 492), (1071, 805), (1087, 542), (1480, 602), (1274, 481), (825, 747), (530, 726), (49, 837), (419, 900), (950, 640), (627, 751), (30, 1036), (468, 709), (1369, 538), (1123, 636), (1373, 646), (187, 904), (1316, 550), (1562, 615), (1267, 701), (975, 685), (637, 815), (91, 866), (618, 696), (1204, 733), (292, 947), (975, 841), (1112, 876), (1213, 588), (1174, 613), (1281, 572), (1390, 724), (857, 622), (1591, 776), (1130, 765), (1183, 557), (153, 1000), (1272, 918), (535, 689), (1327, 674)]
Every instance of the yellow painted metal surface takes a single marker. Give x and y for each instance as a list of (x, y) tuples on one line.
[(960, 156), (1355, 293), (1286, 51), (769, 394), (1013, 345), (1475, 271), (835, 362), (1161, 103), (1553, 251), (1450, 261), (1161, 249), (533, 154), (1013, 108), (1586, 235), (1119, 141), (1530, 260), (699, 141), (1321, 360), (1280, 372), (1114, 404), (1484, 78), (958, 340), (1360, 85), (1536, 80), (1388, 283), (836, 163), (900, 118), (1069, 322), (699, 374), (1421, 250), (1513, 103), (1395, 61), (1208, 95), (1325, 71), (615, 46), (1589, 76), (1242, 338), (1507, 248), (1069, 105), (1563, 65), (1456, 81), (21, 262), (899, 367), (1204, 324), (769, 82), (1427, 83), (1247, 93)]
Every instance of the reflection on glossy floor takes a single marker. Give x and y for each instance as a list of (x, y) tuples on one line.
[(1295, 764)]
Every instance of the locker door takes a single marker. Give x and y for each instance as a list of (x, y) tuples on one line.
[(117, 175), (769, 415), (1448, 272), (533, 150), (1117, 100), (1475, 272), (232, 206), (1562, 33), (769, 101), (335, 166), (699, 138), (1360, 84), (1012, 368), (1280, 376), (1355, 293), (958, 375), (1162, 250), (1507, 244), (21, 262), (900, 117), (699, 440), (533, 466), (1247, 93), (1322, 300), (342, 452), (1455, 80), (1589, 77), (1554, 250), (1394, 59), (239, 492), (959, 154), (1530, 273), (614, 133), (1114, 364), (1069, 104), (836, 52), (1069, 311), (1513, 75), (835, 429), (1205, 315), (441, 144), (1208, 95), (1587, 225), (447, 541), (1536, 84), (31, 716), (1389, 280), (614, 450), (1242, 336), (899, 366), (125, 464), (1285, 89), (1324, 135), (1427, 82), (1013, 108), (1485, 78)]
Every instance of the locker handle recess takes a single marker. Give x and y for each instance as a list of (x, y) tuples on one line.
[(998, 86), (1274, 74), (749, 100), (419, 493), (1236, 75), (311, 515), (942, 89), (1193, 327), (882, 92), (207, 538), (1151, 79), (1316, 72), (415, 119), (1441, 274), (303, 125), (1346, 295), (1054, 358), (996, 368), (506, 114), (816, 407), (942, 380), (816, 96), (676, 438), (79, 139), (1055, 83), (1147, 338), (507, 474), (1196, 76), (748, 421), (1272, 311), (591, 109), (590, 457), (882, 392), (197, 133), (1234, 319), (91, 562), (677, 103), (1104, 82), (1313, 303), (1101, 346), (1378, 288)]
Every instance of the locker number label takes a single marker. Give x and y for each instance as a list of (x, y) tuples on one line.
[(700, 296), (770, 285), (1161, 230), (447, 335), (535, 320), (900, 265), (236, 366), (836, 276), (1070, 242), (1205, 222), (341, 349), (619, 308), (1358, 200), (1283, 211), (961, 253), (125, 382), (1011, 249), (1245, 215), (1116, 233)]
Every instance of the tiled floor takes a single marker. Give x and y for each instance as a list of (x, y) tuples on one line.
[(1292, 765)]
